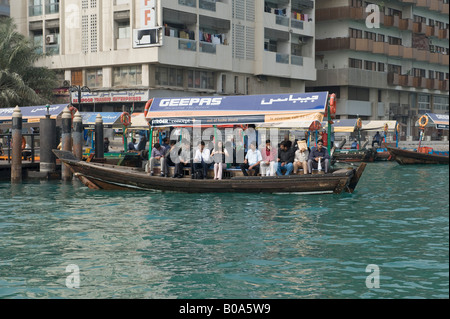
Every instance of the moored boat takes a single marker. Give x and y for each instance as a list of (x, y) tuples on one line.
[(422, 156), (111, 177)]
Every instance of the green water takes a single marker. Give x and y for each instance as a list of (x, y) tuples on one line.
[(168, 245)]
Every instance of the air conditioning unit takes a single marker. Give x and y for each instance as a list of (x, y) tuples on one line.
[(50, 39)]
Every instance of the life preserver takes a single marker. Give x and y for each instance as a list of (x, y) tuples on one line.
[(359, 123), (332, 106), (147, 107), (423, 117), (24, 143), (73, 110), (398, 128), (315, 126), (125, 118)]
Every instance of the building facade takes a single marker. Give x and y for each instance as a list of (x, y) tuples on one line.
[(384, 59), (127, 51)]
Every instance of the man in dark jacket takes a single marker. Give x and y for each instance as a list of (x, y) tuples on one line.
[(317, 154), (285, 159)]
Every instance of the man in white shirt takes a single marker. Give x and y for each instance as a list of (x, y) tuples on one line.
[(252, 160), (201, 159)]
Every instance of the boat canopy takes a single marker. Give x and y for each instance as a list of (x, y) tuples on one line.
[(377, 125), (138, 122), (438, 121), (32, 114), (110, 119), (237, 110)]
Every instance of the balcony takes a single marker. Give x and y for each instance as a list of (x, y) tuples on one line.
[(365, 45), (380, 48), (444, 59), (188, 3), (408, 53), (432, 84), (340, 13), (419, 82), (423, 3), (443, 85), (395, 50), (393, 79), (406, 80), (419, 27), (421, 55), (277, 64), (392, 21), (445, 7), (434, 57), (443, 34), (405, 24)]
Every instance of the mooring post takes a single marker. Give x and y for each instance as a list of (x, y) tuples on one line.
[(99, 143), (77, 136), (16, 164), (66, 141), (48, 142)]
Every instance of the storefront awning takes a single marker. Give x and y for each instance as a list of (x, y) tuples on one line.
[(32, 114), (378, 126), (110, 119), (438, 121)]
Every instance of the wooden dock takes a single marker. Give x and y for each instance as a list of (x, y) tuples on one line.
[(30, 170)]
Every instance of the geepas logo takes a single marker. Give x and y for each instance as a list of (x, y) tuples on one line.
[(191, 101)]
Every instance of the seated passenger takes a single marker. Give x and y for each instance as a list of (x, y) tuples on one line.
[(285, 159), (301, 157), (201, 159), (317, 154), (158, 157), (269, 162), (252, 160), (132, 145), (218, 154), (354, 145), (184, 160)]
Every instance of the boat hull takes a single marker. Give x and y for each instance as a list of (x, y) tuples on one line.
[(109, 177), (406, 157)]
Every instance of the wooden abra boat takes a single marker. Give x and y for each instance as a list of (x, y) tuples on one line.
[(349, 155), (405, 157), (110, 177)]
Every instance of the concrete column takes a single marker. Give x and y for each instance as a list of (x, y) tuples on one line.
[(66, 140), (99, 150), (77, 136), (16, 164), (47, 129)]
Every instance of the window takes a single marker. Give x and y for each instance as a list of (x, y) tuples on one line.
[(419, 73), (236, 85), (358, 94), (392, 68), (200, 80), (127, 75), (77, 77), (355, 63), (370, 35), (394, 41), (169, 76), (124, 29), (370, 65), (380, 67), (355, 33), (94, 78), (381, 38)]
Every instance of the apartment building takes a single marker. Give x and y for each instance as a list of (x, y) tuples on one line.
[(4, 8), (397, 69), (127, 51)]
